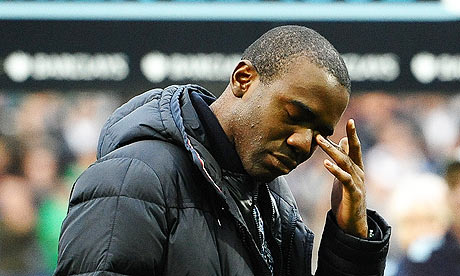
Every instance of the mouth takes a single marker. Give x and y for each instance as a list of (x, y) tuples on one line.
[(284, 163)]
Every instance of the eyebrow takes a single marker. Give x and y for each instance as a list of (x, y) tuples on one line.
[(324, 129)]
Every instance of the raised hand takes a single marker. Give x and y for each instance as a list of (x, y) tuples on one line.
[(348, 198)]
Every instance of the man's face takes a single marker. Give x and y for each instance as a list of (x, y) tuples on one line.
[(275, 124)]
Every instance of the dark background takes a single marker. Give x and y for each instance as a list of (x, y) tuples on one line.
[(137, 38)]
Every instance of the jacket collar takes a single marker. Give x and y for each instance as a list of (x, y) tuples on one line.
[(162, 114), (218, 143)]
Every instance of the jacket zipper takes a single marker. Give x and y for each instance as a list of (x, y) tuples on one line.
[(247, 244), (254, 202), (247, 241), (291, 233)]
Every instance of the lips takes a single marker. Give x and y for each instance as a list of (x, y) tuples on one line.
[(285, 163)]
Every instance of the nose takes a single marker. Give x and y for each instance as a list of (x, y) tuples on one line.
[(302, 140)]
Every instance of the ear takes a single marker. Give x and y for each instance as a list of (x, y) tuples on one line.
[(243, 77)]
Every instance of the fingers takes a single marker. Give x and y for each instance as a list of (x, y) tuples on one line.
[(354, 144), (336, 153), (347, 155), (344, 177)]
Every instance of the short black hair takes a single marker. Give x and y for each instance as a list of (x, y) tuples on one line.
[(274, 50)]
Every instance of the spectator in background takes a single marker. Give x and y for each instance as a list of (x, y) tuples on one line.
[(41, 166), (372, 111), (437, 256), (51, 213), (5, 157), (41, 169), (81, 130), (36, 114), (397, 153), (10, 156), (449, 253), (38, 126), (19, 254), (420, 213), (439, 120), (34, 157), (19, 251), (40, 117)]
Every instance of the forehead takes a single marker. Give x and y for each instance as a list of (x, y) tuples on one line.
[(313, 86)]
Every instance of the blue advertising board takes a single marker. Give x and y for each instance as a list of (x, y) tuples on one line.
[(236, 10)]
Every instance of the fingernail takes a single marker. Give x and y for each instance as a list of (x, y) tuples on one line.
[(321, 139), (328, 163), (352, 123), (332, 143)]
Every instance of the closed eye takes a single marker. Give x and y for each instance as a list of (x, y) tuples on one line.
[(298, 112)]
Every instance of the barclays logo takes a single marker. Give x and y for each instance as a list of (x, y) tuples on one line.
[(20, 66)]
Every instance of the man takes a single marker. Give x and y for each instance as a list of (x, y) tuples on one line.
[(186, 184), (441, 258)]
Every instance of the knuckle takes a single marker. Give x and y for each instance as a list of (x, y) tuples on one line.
[(347, 179), (357, 142), (348, 164), (359, 194), (362, 177), (344, 162)]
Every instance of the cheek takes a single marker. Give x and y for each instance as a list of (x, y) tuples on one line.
[(252, 149), (250, 145)]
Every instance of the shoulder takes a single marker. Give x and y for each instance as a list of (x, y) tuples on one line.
[(163, 158), (144, 170), (150, 151)]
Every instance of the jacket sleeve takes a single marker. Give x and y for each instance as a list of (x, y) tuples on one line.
[(116, 222), (344, 254)]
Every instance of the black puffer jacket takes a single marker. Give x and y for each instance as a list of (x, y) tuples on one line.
[(156, 203)]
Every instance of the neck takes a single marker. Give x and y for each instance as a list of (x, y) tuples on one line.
[(222, 110)]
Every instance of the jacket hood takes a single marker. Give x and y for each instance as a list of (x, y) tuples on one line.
[(161, 114)]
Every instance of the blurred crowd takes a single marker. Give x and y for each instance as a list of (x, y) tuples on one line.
[(48, 138)]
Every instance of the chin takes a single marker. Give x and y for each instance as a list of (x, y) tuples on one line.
[(265, 175), (263, 170)]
